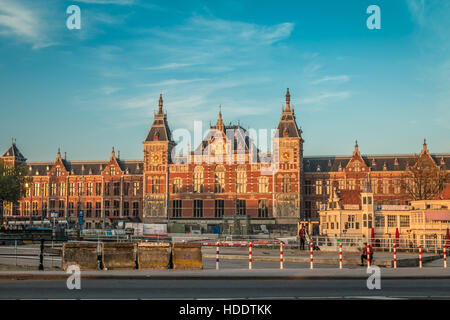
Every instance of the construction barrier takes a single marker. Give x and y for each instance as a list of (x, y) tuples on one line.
[(187, 256), (83, 254), (153, 255), (118, 255)]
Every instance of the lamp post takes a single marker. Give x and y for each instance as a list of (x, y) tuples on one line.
[(30, 185)]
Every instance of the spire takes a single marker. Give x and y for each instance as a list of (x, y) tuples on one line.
[(288, 100), (356, 146), (424, 144), (160, 110), (219, 124), (113, 154)]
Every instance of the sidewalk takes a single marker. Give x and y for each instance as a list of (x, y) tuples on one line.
[(236, 274)]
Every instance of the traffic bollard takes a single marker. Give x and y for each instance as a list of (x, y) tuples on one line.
[(217, 256), (368, 255), (281, 255), (250, 256), (420, 256), (311, 259), (395, 256), (445, 256), (340, 256)]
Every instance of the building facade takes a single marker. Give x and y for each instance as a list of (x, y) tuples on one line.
[(223, 182)]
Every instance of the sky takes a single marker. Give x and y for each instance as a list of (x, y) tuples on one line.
[(88, 90)]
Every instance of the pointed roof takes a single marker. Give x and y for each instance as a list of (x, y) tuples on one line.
[(219, 125), (159, 131), (14, 152), (287, 127), (444, 194)]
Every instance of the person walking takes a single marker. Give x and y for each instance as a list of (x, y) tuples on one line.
[(301, 234), (364, 253)]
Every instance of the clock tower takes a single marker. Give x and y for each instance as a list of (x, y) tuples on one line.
[(288, 154), (158, 146)]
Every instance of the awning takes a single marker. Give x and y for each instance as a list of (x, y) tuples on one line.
[(437, 215)]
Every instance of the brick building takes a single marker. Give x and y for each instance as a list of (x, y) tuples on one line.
[(223, 180)]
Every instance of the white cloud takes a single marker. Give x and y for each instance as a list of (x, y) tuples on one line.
[(342, 78), (172, 82), (323, 97), (172, 65), (23, 23)]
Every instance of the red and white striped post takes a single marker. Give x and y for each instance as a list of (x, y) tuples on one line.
[(281, 255), (311, 251), (445, 256), (250, 256), (340, 256), (217, 256), (368, 255), (395, 256), (420, 256)]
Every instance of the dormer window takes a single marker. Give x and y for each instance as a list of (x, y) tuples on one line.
[(112, 171)]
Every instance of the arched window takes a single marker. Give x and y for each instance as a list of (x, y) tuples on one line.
[(241, 179), (263, 184), (219, 179), (177, 185), (198, 179), (155, 184), (286, 184)]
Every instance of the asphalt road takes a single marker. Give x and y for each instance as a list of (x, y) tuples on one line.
[(225, 289)]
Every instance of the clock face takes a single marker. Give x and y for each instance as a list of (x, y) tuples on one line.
[(285, 156), (156, 157)]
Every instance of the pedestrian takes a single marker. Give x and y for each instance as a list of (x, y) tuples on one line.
[(301, 234), (364, 253)]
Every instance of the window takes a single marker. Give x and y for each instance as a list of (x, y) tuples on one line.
[(286, 184), (98, 188), (219, 208), (374, 183), (263, 209), (53, 190), (126, 209), (241, 179), (241, 209), (351, 184), (89, 189), (26, 208), (106, 206), (307, 187), (80, 188), (35, 208), (36, 190), (198, 208), (116, 208), (404, 221), (219, 179), (385, 186), (58, 172), (61, 205), (198, 179), (112, 171), (116, 187), (88, 209), (318, 186), (52, 204), (71, 189), (107, 189), (44, 208), (397, 186), (98, 209), (177, 185), (135, 188), (135, 209), (177, 208), (71, 209), (379, 221), (328, 187), (263, 184), (45, 189), (341, 184), (392, 221)]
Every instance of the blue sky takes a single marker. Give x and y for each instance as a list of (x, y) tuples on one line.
[(90, 89)]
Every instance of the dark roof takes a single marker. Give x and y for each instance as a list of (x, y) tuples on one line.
[(13, 151), (85, 167), (374, 162), (287, 127), (159, 129)]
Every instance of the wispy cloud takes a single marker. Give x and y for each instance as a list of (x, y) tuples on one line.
[(172, 65), (342, 78), (117, 2), (325, 96), (172, 82), (24, 24)]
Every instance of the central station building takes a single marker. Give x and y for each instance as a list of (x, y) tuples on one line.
[(225, 182)]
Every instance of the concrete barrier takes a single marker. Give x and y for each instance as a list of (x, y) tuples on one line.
[(187, 256), (83, 254), (153, 255), (118, 255)]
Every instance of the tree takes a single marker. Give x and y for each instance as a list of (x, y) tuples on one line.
[(424, 180), (12, 184)]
